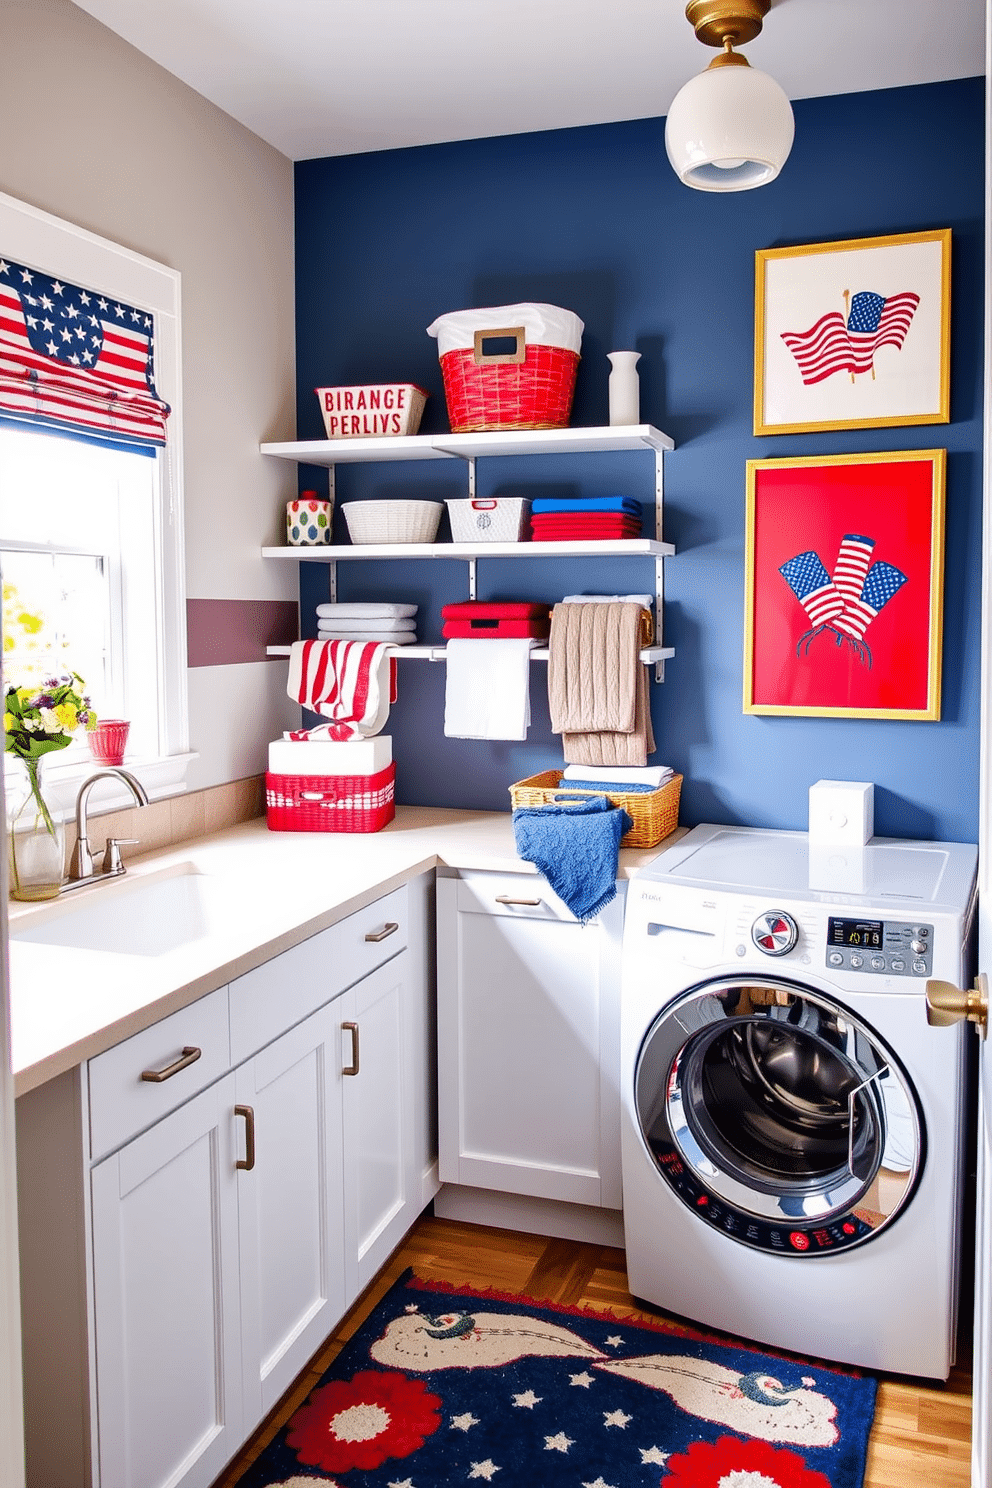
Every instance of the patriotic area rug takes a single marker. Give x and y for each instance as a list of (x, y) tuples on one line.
[(444, 1386)]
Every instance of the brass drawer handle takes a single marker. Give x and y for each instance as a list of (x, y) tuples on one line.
[(248, 1112), (509, 899), (189, 1056), (352, 1068), (389, 928)]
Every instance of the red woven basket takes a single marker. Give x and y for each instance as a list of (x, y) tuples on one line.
[(533, 394), (330, 803)]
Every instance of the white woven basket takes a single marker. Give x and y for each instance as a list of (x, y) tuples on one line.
[(392, 521), (489, 519)]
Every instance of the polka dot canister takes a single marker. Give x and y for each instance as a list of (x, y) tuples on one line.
[(308, 521)]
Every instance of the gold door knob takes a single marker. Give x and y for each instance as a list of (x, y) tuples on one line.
[(947, 1004)]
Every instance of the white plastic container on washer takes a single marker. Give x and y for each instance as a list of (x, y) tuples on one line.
[(489, 519)]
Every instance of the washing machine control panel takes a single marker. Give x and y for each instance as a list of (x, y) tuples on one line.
[(879, 947)]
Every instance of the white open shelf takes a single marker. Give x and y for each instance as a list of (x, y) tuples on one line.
[(605, 439), (631, 547), (472, 446)]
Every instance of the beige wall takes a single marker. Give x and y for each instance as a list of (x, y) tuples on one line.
[(94, 132)]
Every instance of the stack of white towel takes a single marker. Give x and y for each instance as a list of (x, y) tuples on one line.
[(652, 776), (389, 624)]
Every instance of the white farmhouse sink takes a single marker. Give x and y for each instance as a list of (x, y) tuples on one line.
[(139, 917)]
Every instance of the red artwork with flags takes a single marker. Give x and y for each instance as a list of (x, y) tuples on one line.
[(843, 608), (72, 358)]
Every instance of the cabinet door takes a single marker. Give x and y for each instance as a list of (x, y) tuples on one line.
[(528, 1052), (165, 1268), (289, 1206), (381, 1188)]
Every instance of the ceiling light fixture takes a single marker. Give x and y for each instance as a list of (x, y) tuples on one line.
[(731, 128)]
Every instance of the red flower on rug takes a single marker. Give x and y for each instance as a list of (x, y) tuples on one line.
[(731, 1463), (363, 1421)]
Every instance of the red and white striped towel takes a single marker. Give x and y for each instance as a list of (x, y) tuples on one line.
[(347, 682)]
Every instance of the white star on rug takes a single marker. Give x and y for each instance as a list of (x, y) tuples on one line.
[(648, 1454), (410, 1307), (614, 1340), (598, 1484), (528, 1399), (616, 1418), (406, 1483), (559, 1443), (465, 1422), (484, 1469), (584, 1379)]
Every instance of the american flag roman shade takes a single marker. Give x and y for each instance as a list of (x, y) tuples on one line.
[(72, 359)]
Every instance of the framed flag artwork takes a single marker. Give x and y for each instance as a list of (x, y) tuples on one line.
[(844, 585), (853, 335)]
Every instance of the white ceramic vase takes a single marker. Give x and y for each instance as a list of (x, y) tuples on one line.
[(625, 391)]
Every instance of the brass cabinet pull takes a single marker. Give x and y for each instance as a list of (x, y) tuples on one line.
[(389, 928), (509, 899), (352, 1068), (248, 1162), (189, 1056)]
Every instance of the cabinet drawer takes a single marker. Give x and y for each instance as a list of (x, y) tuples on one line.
[(122, 1103), (287, 989), (524, 896)]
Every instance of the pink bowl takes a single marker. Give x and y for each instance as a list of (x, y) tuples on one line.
[(108, 740)]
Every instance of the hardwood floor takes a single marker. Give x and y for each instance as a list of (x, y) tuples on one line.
[(921, 1433)]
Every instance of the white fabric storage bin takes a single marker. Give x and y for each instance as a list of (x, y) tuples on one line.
[(327, 757), (489, 519)]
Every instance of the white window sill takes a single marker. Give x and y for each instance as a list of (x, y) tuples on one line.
[(164, 776)]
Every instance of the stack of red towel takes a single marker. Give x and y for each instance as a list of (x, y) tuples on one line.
[(580, 518)]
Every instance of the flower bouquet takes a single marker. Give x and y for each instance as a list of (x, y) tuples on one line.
[(36, 722)]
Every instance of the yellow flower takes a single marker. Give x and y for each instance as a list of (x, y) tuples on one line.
[(67, 716), (9, 723)]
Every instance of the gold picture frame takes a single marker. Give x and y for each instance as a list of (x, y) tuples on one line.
[(844, 561), (826, 313)]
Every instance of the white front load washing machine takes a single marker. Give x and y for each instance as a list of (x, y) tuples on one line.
[(793, 1128)]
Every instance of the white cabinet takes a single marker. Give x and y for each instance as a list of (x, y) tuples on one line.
[(176, 1284), (290, 1221), (381, 1182), (528, 1041), (165, 1288)]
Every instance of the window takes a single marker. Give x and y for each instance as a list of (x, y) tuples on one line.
[(91, 541)]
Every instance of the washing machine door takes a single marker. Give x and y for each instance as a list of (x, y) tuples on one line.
[(778, 1116)]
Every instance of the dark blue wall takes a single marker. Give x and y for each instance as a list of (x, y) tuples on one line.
[(594, 219)]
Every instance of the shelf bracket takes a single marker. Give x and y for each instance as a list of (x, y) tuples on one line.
[(471, 578), (659, 563)]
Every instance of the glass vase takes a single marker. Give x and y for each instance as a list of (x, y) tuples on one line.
[(35, 835)]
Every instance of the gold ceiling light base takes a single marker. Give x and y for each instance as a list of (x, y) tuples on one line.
[(719, 23)]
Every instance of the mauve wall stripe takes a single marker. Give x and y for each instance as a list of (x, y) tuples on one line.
[(224, 632)]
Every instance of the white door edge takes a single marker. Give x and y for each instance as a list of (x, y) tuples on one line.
[(981, 1452)]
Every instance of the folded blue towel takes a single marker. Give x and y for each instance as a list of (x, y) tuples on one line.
[(587, 504), (576, 845), (615, 787)]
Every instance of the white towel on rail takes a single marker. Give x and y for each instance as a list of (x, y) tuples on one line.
[(487, 689)]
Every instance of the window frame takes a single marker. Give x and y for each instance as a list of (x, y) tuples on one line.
[(54, 246)]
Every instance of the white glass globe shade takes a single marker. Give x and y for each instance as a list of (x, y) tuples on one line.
[(729, 129)]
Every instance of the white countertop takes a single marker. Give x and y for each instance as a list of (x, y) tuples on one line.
[(68, 1005)]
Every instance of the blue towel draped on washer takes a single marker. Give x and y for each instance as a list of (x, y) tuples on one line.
[(576, 845)]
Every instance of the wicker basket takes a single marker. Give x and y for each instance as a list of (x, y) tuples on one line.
[(654, 813), (330, 803), (393, 521), (508, 366)]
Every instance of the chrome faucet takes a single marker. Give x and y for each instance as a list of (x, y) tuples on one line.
[(81, 868)]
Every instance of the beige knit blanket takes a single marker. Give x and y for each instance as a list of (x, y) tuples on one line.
[(597, 687)]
